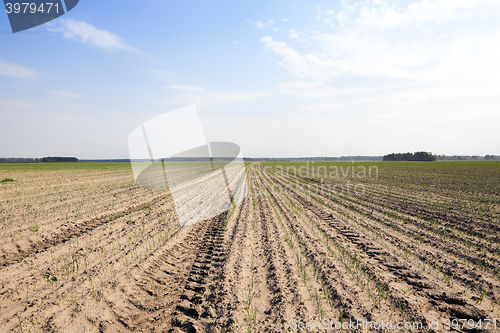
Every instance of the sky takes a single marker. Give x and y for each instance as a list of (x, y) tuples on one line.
[(279, 78)]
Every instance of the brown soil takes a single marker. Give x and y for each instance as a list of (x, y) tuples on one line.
[(110, 257)]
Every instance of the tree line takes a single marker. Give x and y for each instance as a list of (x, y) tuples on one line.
[(418, 156), (468, 158), (50, 159)]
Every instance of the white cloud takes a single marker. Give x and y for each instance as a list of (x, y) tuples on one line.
[(235, 42), (17, 71), (294, 35), (303, 66), (385, 15), (65, 94), (417, 44), (86, 33), (261, 25), (330, 12), (284, 19)]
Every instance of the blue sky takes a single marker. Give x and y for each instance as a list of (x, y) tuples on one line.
[(279, 78)]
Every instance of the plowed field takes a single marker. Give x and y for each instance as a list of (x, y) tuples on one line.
[(84, 249)]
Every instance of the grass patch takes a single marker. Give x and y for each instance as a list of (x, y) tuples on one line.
[(65, 166), (6, 180)]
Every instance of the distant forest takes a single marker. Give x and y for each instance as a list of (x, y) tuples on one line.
[(468, 158), (418, 156), (38, 160)]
